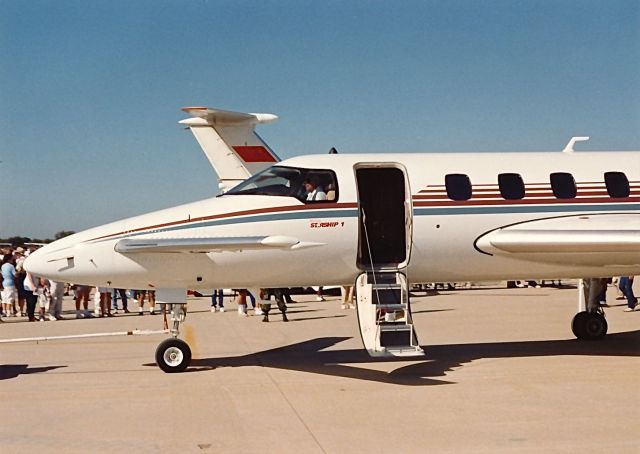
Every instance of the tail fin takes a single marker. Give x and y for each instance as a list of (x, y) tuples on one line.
[(230, 142)]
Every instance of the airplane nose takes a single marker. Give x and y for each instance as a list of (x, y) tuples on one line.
[(41, 263), (36, 263)]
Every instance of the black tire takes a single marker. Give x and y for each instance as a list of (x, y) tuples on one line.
[(589, 326), (596, 326), (578, 325), (173, 355)]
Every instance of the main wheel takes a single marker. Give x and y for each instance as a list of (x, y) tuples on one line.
[(589, 325), (578, 325), (596, 326), (173, 355)]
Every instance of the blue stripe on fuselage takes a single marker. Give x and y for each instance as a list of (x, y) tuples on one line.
[(282, 216), (417, 211)]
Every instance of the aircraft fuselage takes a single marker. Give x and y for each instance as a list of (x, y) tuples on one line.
[(447, 240)]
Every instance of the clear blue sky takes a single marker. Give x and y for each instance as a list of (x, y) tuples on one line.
[(90, 91)]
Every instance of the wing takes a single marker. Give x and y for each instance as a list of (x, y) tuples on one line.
[(566, 241), (195, 245), (592, 240)]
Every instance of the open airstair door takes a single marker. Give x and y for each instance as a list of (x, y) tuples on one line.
[(384, 250)]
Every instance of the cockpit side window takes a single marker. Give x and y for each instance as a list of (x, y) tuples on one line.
[(318, 186), (307, 185), (276, 180)]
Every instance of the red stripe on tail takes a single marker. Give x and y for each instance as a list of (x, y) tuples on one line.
[(255, 153)]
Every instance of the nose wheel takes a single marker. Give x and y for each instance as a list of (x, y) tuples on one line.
[(173, 355)]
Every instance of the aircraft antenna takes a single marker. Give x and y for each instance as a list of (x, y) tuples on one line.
[(569, 147)]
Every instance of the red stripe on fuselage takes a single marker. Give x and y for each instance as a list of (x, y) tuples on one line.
[(315, 206), (529, 187), (530, 201), (529, 194), (421, 200)]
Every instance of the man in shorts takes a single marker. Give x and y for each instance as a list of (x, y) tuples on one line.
[(142, 295), (82, 300)]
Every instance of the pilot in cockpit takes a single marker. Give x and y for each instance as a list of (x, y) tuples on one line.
[(314, 191)]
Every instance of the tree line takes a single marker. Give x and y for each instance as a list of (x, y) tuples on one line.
[(16, 241)]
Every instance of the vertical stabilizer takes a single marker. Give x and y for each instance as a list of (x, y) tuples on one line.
[(230, 142)]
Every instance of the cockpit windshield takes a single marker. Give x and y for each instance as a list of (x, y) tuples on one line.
[(307, 185)]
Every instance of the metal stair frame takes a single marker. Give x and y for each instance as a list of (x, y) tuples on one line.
[(384, 314)]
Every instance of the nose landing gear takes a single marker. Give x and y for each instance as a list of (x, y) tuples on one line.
[(174, 355)]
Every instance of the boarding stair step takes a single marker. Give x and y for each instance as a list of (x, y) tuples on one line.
[(390, 326), (384, 313)]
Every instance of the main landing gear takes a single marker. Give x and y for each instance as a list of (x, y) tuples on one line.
[(174, 355), (590, 323)]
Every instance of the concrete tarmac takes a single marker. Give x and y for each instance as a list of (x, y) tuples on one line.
[(502, 373)]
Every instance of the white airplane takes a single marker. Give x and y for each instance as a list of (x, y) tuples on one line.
[(376, 221)]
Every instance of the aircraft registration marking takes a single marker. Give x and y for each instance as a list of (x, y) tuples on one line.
[(326, 224)]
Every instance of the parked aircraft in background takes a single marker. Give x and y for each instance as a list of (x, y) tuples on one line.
[(382, 222)]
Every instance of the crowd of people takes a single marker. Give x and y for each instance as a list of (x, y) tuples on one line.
[(282, 297), (40, 299)]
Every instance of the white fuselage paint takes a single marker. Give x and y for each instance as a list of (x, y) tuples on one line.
[(443, 238)]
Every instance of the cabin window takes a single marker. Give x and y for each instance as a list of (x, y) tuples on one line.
[(617, 184), (511, 186), (458, 186), (563, 185)]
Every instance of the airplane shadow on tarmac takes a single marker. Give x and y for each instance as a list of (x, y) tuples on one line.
[(310, 356), (8, 371)]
